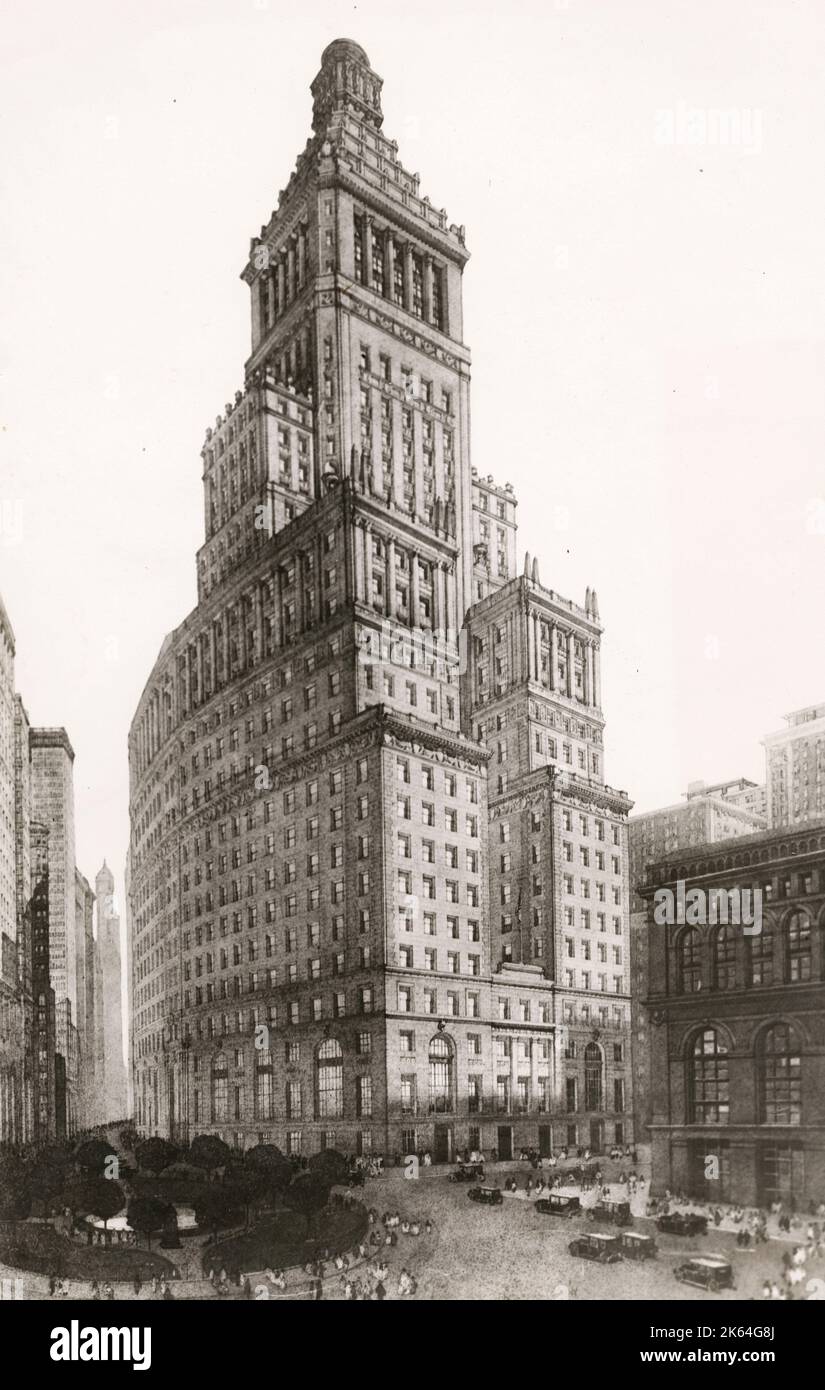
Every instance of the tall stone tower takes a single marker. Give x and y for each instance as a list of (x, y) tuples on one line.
[(112, 1085), (312, 956)]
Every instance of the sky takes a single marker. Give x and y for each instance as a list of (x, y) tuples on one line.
[(642, 189)]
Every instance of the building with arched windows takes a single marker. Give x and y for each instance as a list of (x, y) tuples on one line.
[(736, 1014)]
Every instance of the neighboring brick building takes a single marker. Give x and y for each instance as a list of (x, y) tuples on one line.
[(738, 1026), (707, 814)]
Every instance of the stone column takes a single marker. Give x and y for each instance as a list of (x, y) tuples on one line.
[(427, 293), (213, 656), (571, 648), (588, 674), (389, 606), (554, 654), (290, 268), (597, 677), (414, 589), (302, 255), (368, 564), (389, 266), (408, 277), (281, 276), (367, 244)]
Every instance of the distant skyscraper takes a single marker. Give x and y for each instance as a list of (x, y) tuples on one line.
[(13, 1121), (795, 769), (53, 803), (89, 1081), (44, 1024), (112, 1089)]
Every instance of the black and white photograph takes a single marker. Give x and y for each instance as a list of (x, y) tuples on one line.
[(412, 695)]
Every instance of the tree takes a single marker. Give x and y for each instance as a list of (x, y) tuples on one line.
[(216, 1208), (273, 1165), (208, 1151), (308, 1193), (153, 1155), (249, 1185), (97, 1197), (49, 1173), (15, 1190), (330, 1164), (148, 1215), (92, 1155)]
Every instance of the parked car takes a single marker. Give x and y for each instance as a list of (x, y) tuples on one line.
[(605, 1249), (468, 1172), (637, 1247), (681, 1223), (612, 1213), (709, 1272), (557, 1205), (488, 1196), (356, 1177)]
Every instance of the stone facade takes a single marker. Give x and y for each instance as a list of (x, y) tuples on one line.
[(738, 1025), (707, 814), (312, 959)]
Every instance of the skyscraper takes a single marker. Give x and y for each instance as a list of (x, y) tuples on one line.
[(795, 769), (311, 949), (112, 1081), (53, 804)]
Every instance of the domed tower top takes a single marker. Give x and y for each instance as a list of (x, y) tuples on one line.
[(104, 880), (346, 80)]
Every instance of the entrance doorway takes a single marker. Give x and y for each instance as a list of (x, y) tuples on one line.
[(442, 1144), (596, 1136), (545, 1145), (505, 1142)]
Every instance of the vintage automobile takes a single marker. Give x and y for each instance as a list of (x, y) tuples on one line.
[(612, 1213), (710, 1272), (557, 1205), (468, 1172), (356, 1177), (682, 1223), (605, 1249), (637, 1247), (488, 1196)]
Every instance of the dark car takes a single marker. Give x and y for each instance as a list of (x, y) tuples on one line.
[(468, 1172), (681, 1223), (605, 1249), (612, 1213), (488, 1196), (636, 1247), (356, 1177), (709, 1272), (557, 1205)]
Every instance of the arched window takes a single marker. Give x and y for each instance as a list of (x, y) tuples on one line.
[(593, 1077), (724, 958), (780, 1077), (708, 1088), (330, 1089), (761, 954), (798, 932), (690, 962), (441, 1075)]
